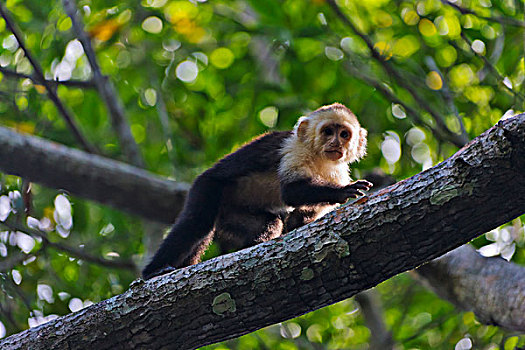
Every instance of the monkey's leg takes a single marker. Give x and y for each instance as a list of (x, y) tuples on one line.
[(240, 228), (198, 251), (192, 259), (273, 228), (192, 227), (300, 217)]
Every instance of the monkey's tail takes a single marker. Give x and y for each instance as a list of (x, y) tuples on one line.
[(192, 226)]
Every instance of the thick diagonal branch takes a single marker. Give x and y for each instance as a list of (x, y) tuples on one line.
[(347, 251)]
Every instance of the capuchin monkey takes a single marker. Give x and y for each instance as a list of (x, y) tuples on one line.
[(274, 184)]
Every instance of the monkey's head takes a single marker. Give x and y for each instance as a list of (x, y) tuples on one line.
[(334, 133)]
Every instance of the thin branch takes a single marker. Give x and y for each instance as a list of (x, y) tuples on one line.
[(447, 94), (497, 51), (75, 252), (66, 114), (18, 291), (388, 93), (6, 311), (503, 20), (106, 90), (492, 69), (164, 119), (69, 83), (458, 140), (14, 260)]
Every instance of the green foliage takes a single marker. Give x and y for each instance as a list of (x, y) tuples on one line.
[(198, 79)]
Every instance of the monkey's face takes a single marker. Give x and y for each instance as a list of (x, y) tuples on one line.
[(335, 139), (333, 133)]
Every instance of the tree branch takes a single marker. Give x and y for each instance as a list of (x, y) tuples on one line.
[(490, 287), (347, 251), (14, 260), (66, 114), (106, 90), (492, 69), (90, 176), (70, 83), (372, 311), (446, 93), (502, 20), (94, 177), (74, 252), (456, 139), (388, 93)]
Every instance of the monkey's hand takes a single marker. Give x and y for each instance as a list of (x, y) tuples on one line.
[(361, 185), (354, 190)]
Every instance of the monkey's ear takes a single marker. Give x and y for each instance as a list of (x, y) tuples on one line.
[(301, 128), (361, 143)]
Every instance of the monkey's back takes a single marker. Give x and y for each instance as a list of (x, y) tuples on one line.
[(262, 154)]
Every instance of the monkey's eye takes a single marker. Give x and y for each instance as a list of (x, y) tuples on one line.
[(328, 132), (345, 134)]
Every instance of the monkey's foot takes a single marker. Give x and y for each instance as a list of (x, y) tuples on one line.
[(162, 271)]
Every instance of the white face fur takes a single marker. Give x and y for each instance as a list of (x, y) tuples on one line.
[(333, 133)]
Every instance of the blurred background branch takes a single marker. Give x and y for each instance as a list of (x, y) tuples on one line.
[(106, 90), (457, 140), (70, 83), (503, 20), (71, 251), (67, 115)]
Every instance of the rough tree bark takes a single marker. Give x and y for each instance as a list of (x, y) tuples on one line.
[(347, 251)]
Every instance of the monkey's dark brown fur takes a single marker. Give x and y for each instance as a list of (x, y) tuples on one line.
[(276, 183)]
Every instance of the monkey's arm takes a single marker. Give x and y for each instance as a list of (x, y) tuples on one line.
[(305, 192)]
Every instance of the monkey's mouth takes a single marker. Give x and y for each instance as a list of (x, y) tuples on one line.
[(334, 154)]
